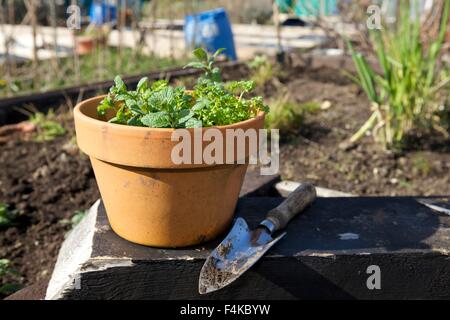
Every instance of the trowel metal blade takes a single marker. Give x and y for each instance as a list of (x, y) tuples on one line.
[(441, 205), (240, 250)]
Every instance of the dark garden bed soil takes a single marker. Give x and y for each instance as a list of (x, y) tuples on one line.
[(49, 182), (312, 153)]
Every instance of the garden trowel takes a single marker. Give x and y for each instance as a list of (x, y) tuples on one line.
[(243, 247)]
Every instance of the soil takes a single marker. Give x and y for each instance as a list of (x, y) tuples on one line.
[(312, 153), (48, 182), (213, 278)]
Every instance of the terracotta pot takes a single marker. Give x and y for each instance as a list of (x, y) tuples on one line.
[(86, 44), (148, 199)]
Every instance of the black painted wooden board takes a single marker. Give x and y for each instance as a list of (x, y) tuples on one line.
[(408, 241), (258, 185)]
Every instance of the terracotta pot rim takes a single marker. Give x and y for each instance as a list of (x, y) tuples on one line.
[(121, 127)]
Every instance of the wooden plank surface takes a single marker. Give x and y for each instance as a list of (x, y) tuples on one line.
[(382, 224), (325, 255)]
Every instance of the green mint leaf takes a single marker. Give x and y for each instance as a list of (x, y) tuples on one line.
[(160, 84), (195, 65), (200, 54), (135, 110), (142, 85), (184, 115), (121, 96), (193, 123), (218, 52), (156, 120), (105, 105), (200, 104), (135, 121), (130, 102), (186, 98), (216, 75), (163, 100), (120, 85), (166, 96), (121, 115)]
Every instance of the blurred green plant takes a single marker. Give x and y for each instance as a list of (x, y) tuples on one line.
[(77, 217), (4, 264), (263, 70), (75, 220), (100, 65), (47, 128), (7, 216), (5, 270), (94, 31), (13, 86), (287, 115), (421, 164), (409, 92)]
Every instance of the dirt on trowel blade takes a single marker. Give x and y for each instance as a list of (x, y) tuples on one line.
[(213, 278)]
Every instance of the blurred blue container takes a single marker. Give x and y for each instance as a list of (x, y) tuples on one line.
[(102, 12), (211, 30)]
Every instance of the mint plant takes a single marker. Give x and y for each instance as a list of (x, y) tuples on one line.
[(159, 105)]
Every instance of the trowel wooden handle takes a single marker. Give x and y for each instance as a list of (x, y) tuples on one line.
[(298, 200)]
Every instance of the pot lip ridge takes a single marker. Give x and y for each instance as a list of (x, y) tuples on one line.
[(104, 124)]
